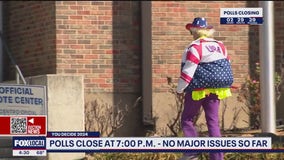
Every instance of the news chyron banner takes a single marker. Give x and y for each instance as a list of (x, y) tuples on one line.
[(241, 16), (38, 146), (23, 110), (91, 142)]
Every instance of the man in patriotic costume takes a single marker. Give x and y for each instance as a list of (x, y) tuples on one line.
[(206, 78)]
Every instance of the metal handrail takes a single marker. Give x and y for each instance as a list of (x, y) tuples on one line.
[(18, 71)]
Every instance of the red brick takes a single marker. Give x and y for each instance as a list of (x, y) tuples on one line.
[(98, 80), (75, 17), (105, 49), (91, 56)]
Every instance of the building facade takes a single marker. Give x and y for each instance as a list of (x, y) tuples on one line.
[(125, 49)]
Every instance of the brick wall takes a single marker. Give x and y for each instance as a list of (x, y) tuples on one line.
[(170, 37), (100, 40), (29, 27), (97, 39), (279, 34)]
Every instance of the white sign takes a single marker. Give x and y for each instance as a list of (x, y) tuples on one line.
[(241, 12), (241, 16), (22, 99)]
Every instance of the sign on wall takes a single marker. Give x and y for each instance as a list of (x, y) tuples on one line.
[(18, 99), (239, 16), (22, 110)]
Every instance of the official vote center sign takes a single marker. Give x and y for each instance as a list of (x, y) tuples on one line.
[(22, 99), (239, 16)]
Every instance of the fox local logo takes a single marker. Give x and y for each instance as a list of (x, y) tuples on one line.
[(241, 12), (29, 142)]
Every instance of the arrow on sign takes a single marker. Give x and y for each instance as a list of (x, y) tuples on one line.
[(31, 120)]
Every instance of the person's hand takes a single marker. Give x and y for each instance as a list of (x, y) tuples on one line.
[(180, 96)]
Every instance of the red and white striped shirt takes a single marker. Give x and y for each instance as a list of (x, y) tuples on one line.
[(202, 50)]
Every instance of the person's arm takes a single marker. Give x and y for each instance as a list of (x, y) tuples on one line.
[(192, 60)]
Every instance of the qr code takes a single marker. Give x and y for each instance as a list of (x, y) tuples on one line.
[(18, 125)]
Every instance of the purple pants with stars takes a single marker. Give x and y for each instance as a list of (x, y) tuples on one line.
[(210, 106)]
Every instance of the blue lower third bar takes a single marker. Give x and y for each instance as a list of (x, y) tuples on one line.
[(73, 134), (170, 150), (242, 20)]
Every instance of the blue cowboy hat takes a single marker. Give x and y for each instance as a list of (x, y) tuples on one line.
[(198, 22)]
